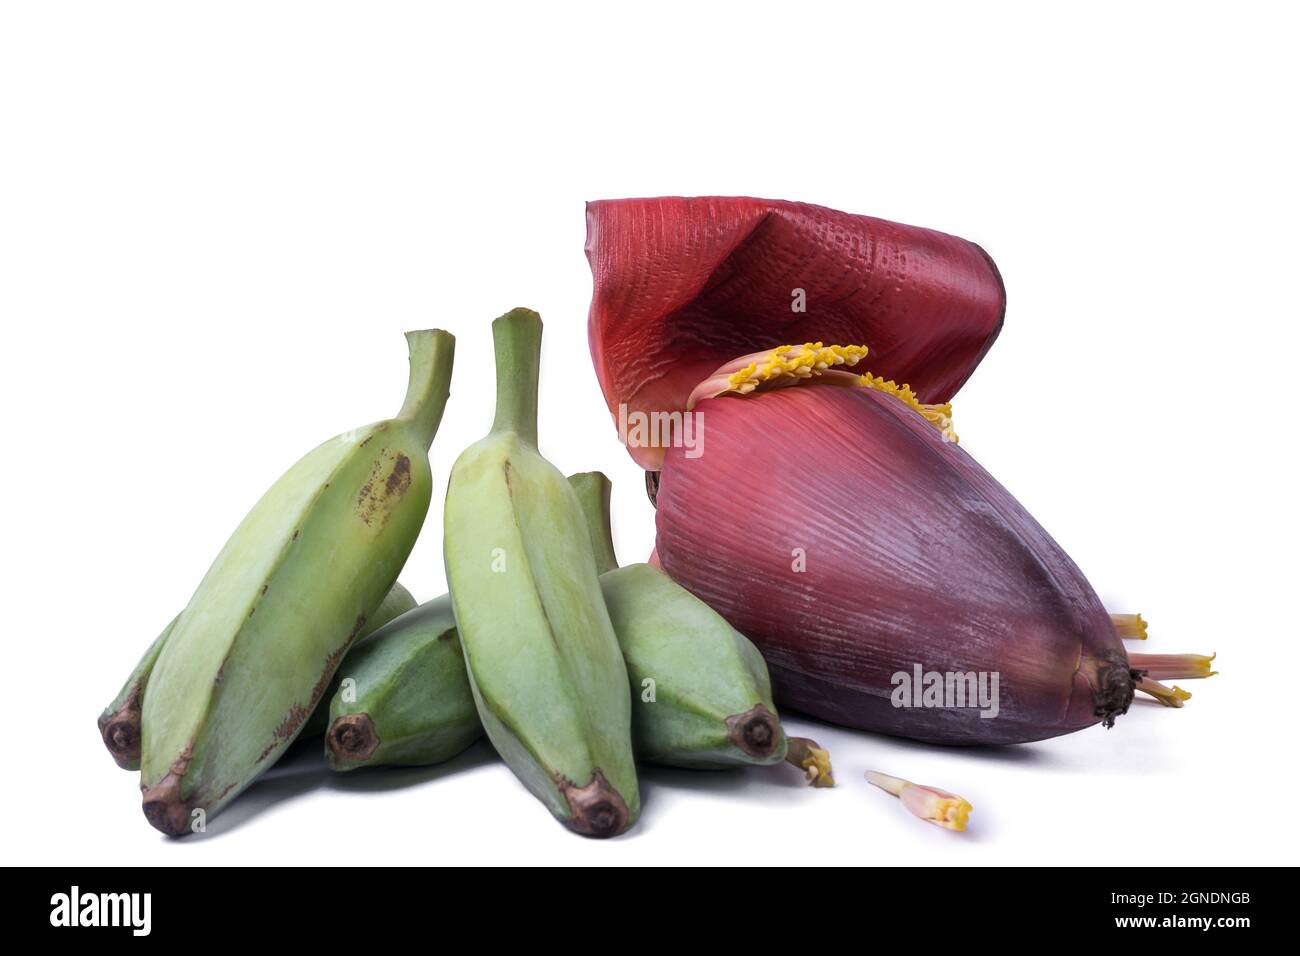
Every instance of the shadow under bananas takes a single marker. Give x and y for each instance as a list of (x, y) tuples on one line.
[(1129, 748), (302, 769)]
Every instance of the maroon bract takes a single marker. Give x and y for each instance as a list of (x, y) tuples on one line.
[(683, 284), (883, 572)]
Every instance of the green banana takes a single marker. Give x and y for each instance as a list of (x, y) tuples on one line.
[(396, 603), (119, 724), (544, 664), (402, 697), (257, 645), (701, 694), (411, 702)]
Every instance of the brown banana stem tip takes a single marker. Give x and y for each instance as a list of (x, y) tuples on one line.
[(596, 810), (353, 737), (757, 732), (121, 733), (1113, 688), (165, 808)]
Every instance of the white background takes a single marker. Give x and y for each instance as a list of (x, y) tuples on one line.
[(216, 220)]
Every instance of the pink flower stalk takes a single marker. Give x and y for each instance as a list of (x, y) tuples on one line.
[(931, 804)]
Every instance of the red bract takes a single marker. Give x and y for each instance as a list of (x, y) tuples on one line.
[(682, 285), (863, 553)]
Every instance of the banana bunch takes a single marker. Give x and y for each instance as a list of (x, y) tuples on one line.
[(544, 664), (119, 724), (570, 664), (701, 697), (254, 650)]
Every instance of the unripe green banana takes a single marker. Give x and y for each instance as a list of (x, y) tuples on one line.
[(543, 661), (119, 724), (396, 603), (257, 645), (701, 696), (402, 697)]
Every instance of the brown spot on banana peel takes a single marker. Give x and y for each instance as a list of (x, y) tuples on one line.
[(292, 721), (377, 496), (352, 737), (400, 477), (757, 731), (596, 810), (298, 713), (332, 663)]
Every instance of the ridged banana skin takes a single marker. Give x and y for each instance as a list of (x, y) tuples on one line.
[(395, 603), (411, 703), (712, 699), (544, 663), (256, 646), (119, 724)]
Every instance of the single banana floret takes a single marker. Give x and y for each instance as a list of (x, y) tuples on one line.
[(929, 803)]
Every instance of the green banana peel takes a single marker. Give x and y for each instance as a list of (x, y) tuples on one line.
[(397, 602), (402, 696), (701, 693), (119, 724), (543, 660), (257, 645)]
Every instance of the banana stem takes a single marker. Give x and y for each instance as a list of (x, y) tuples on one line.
[(517, 337), (593, 490), (432, 352)]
